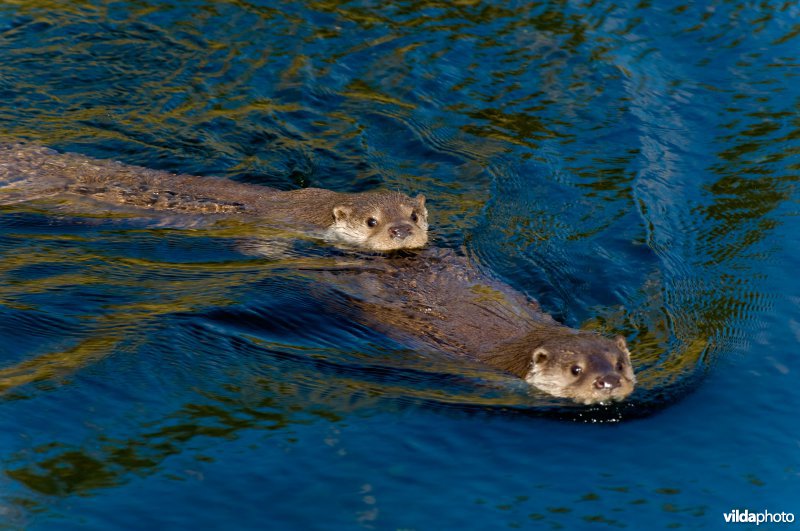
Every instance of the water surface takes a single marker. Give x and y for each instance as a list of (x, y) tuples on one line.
[(631, 166)]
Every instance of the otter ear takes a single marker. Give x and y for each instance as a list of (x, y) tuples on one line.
[(341, 212), (420, 200), (540, 356), (621, 344)]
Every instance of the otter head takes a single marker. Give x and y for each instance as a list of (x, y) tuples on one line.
[(381, 221), (587, 368)]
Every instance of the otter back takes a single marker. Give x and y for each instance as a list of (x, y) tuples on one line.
[(437, 298), (381, 220)]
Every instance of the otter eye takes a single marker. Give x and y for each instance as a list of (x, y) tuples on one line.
[(372, 222), (414, 217), (620, 366), (576, 370)]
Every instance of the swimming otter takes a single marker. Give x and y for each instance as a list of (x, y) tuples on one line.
[(377, 221), (436, 298)]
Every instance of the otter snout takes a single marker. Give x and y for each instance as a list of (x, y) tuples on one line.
[(400, 231), (607, 382)]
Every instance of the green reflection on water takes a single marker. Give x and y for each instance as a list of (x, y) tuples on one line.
[(57, 470)]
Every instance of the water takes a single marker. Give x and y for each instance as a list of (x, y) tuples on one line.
[(632, 166)]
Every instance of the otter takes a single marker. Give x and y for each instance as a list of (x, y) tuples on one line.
[(434, 298), (437, 299), (375, 221)]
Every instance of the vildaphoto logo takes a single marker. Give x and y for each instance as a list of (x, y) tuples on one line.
[(764, 517)]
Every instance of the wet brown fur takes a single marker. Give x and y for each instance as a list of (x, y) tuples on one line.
[(30, 172), (436, 298)]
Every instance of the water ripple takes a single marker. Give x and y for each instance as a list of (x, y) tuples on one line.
[(631, 166)]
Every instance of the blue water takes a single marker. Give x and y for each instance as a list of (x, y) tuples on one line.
[(632, 166)]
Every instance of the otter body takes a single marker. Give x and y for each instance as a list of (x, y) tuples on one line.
[(435, 298), (438, 299), (379, 221)]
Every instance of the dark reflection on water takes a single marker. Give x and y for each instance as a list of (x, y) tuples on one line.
[(631, 166)]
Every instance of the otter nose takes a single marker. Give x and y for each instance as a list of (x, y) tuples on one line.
[(607, 381), (400, 231)]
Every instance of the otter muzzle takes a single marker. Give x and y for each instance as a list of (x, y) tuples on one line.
[(607, 382), (400, 232)]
